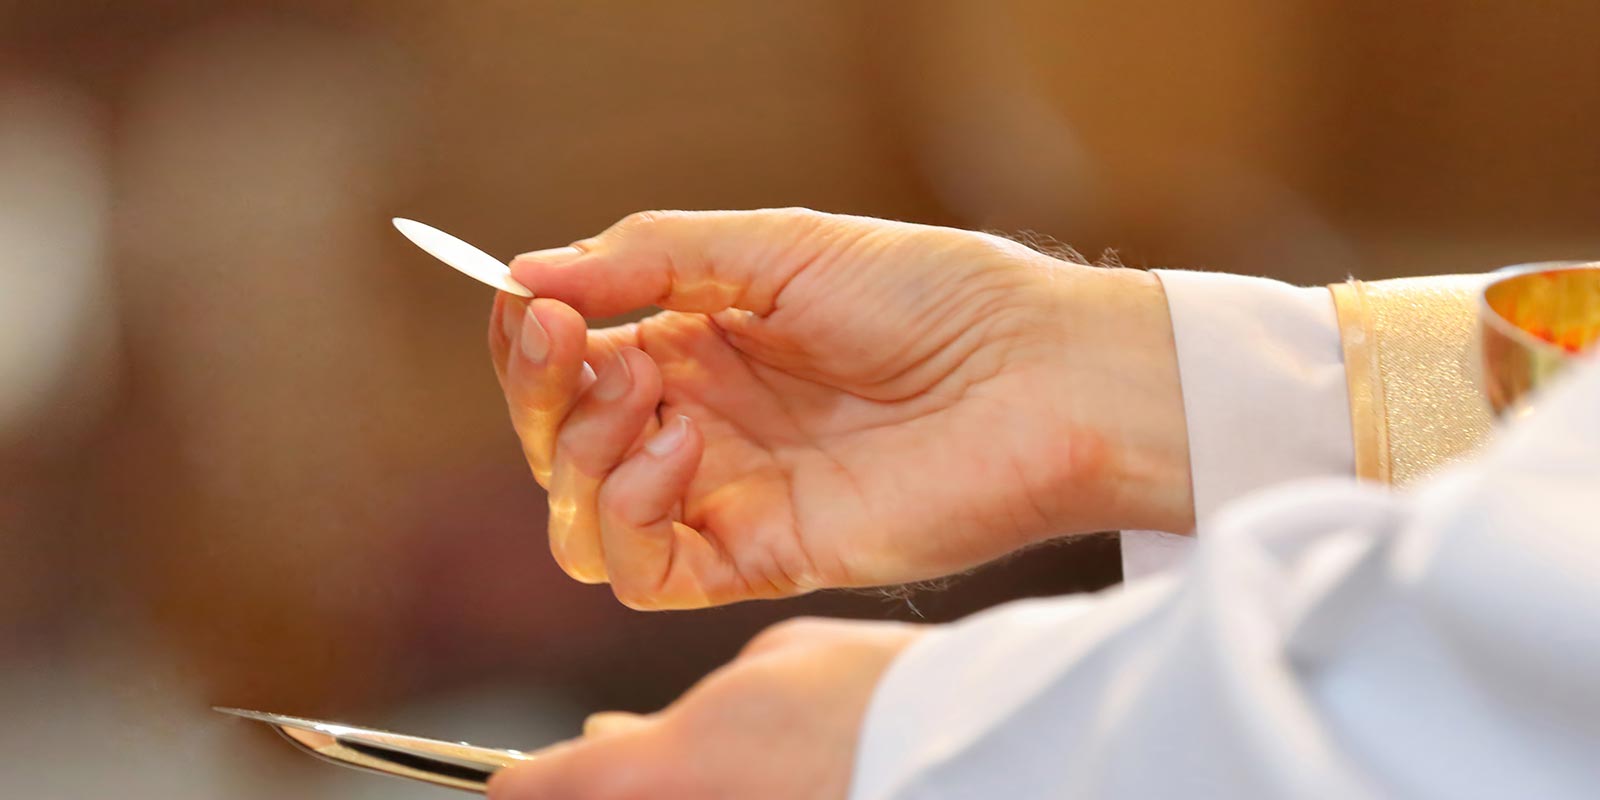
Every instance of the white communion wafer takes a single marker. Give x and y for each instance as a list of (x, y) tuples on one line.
[(464, 257)]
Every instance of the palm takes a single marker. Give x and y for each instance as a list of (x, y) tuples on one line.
[(811, 477)]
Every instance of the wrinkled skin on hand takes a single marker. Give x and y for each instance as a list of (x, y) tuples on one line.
[(831, 401)]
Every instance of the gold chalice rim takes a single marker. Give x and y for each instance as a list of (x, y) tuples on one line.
[(1516, 333)]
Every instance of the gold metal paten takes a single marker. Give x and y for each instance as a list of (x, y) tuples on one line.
[(1533, 323), (453, 764)]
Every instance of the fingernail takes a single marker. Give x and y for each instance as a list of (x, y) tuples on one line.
[(554, 255), (535, 342), (614, 380), (608, 722), (669, 437)]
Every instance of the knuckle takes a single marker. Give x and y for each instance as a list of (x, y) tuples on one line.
[(610, 499), (797, 213), (640, 220), (579, 572), (768, 639), (616, 504), (562, 551), (563, 559), (796, 224), (642, 217), (798, 627), (579, 453), (781, 634), (629, 594)]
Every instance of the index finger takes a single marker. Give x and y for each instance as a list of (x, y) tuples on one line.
[(543, 374), (697, 261)]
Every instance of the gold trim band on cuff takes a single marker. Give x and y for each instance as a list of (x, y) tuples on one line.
[(1411, 367), (1367, 418)]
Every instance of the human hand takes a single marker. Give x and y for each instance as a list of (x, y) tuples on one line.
[(832, 401), (780, 721)]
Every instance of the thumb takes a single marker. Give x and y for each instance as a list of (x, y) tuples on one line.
[(626, 763), (700, 261)]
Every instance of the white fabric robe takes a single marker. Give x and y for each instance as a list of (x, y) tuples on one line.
[(1262, 370), (1325, 639)]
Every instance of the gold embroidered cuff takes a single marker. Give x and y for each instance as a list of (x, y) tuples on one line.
[(1410, 356)]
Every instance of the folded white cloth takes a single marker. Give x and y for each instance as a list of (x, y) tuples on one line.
[(1327, 639)]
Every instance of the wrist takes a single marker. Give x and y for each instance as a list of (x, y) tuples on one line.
[(1120, 386)]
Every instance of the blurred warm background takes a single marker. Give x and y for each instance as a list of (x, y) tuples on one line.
[(251, 449)]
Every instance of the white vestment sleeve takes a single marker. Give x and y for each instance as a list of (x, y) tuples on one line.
[(1328, 639), (1264, 395)]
